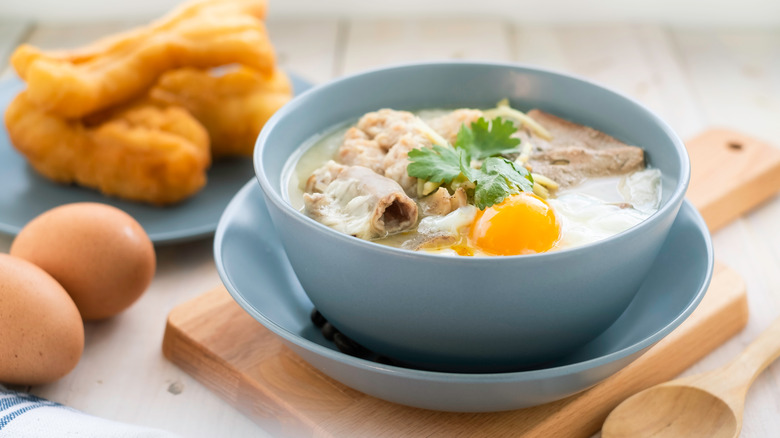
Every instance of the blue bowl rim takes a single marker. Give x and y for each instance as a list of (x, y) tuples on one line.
[(438, 376), (280, 203)]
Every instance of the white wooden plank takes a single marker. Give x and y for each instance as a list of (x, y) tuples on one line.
[(613, 56), (71, 35), (11, 34), (49, 36), (735, 75), (760, 270), (306, 47), (636, 60), (756, 13), (122, 374), (64, 36), (375, 43), (539, 45), (693, 80), (647, 63), (668, 90)]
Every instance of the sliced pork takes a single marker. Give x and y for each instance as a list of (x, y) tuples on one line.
[(565, 133), (569, 166), (578, 152)]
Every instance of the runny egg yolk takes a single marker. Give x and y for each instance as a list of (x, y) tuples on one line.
[(520, 224)]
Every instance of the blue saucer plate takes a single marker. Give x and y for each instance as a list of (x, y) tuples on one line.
[(255, 269), (25, 194)]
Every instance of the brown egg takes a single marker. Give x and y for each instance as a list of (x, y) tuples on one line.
[(41, 333), (98, 253)]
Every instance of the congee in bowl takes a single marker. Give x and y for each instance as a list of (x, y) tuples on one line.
[(473, 182), (434, 226)]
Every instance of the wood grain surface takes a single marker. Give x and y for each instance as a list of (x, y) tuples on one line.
[(731, 173), (219, 344), (709, 404), (216, 342), (693, 78)]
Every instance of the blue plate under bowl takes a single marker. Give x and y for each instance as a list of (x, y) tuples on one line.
[(256, 271), (25, 194)]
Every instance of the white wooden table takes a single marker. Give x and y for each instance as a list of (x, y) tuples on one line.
[(694, 79)]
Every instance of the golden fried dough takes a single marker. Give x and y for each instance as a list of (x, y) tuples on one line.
[(131, 114), (232, 105), (22, 59), (141, 152), (113, 71)]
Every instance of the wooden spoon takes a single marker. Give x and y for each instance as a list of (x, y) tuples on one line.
[(704, 405)]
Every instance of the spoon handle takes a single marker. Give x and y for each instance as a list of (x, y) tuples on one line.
[(757, 356)]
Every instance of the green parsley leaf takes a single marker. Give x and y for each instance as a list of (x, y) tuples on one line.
[(517, 176), (465, 166), (487, 139), (491, 189), (438, 164), (497, 179)]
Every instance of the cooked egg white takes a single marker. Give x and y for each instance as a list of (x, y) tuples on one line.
[(588, 213), (451, 224)]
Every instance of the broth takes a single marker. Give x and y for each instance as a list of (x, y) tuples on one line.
[(587, 210)]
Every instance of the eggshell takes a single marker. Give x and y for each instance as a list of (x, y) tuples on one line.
[(98, 253), (41, 332)]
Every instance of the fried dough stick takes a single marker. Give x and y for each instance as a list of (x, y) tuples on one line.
[(233, 106), (116, 71), (142, 152), (25, 56)]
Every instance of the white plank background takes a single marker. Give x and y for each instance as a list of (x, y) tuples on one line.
[(11, 33), (764, 13), (693, 78)]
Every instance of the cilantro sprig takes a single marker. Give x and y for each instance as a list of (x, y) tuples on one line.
[(497, 179), (484, 141), (438, 164)]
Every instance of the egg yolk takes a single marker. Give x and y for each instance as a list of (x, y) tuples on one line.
[(520, 224)]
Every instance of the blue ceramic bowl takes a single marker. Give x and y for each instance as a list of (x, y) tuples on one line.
[(456, 313), (256, 271)]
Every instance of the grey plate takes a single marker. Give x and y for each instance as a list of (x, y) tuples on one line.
[(255, 269), (25, 194)]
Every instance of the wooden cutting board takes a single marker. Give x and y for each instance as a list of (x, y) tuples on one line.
[(219, 344)]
